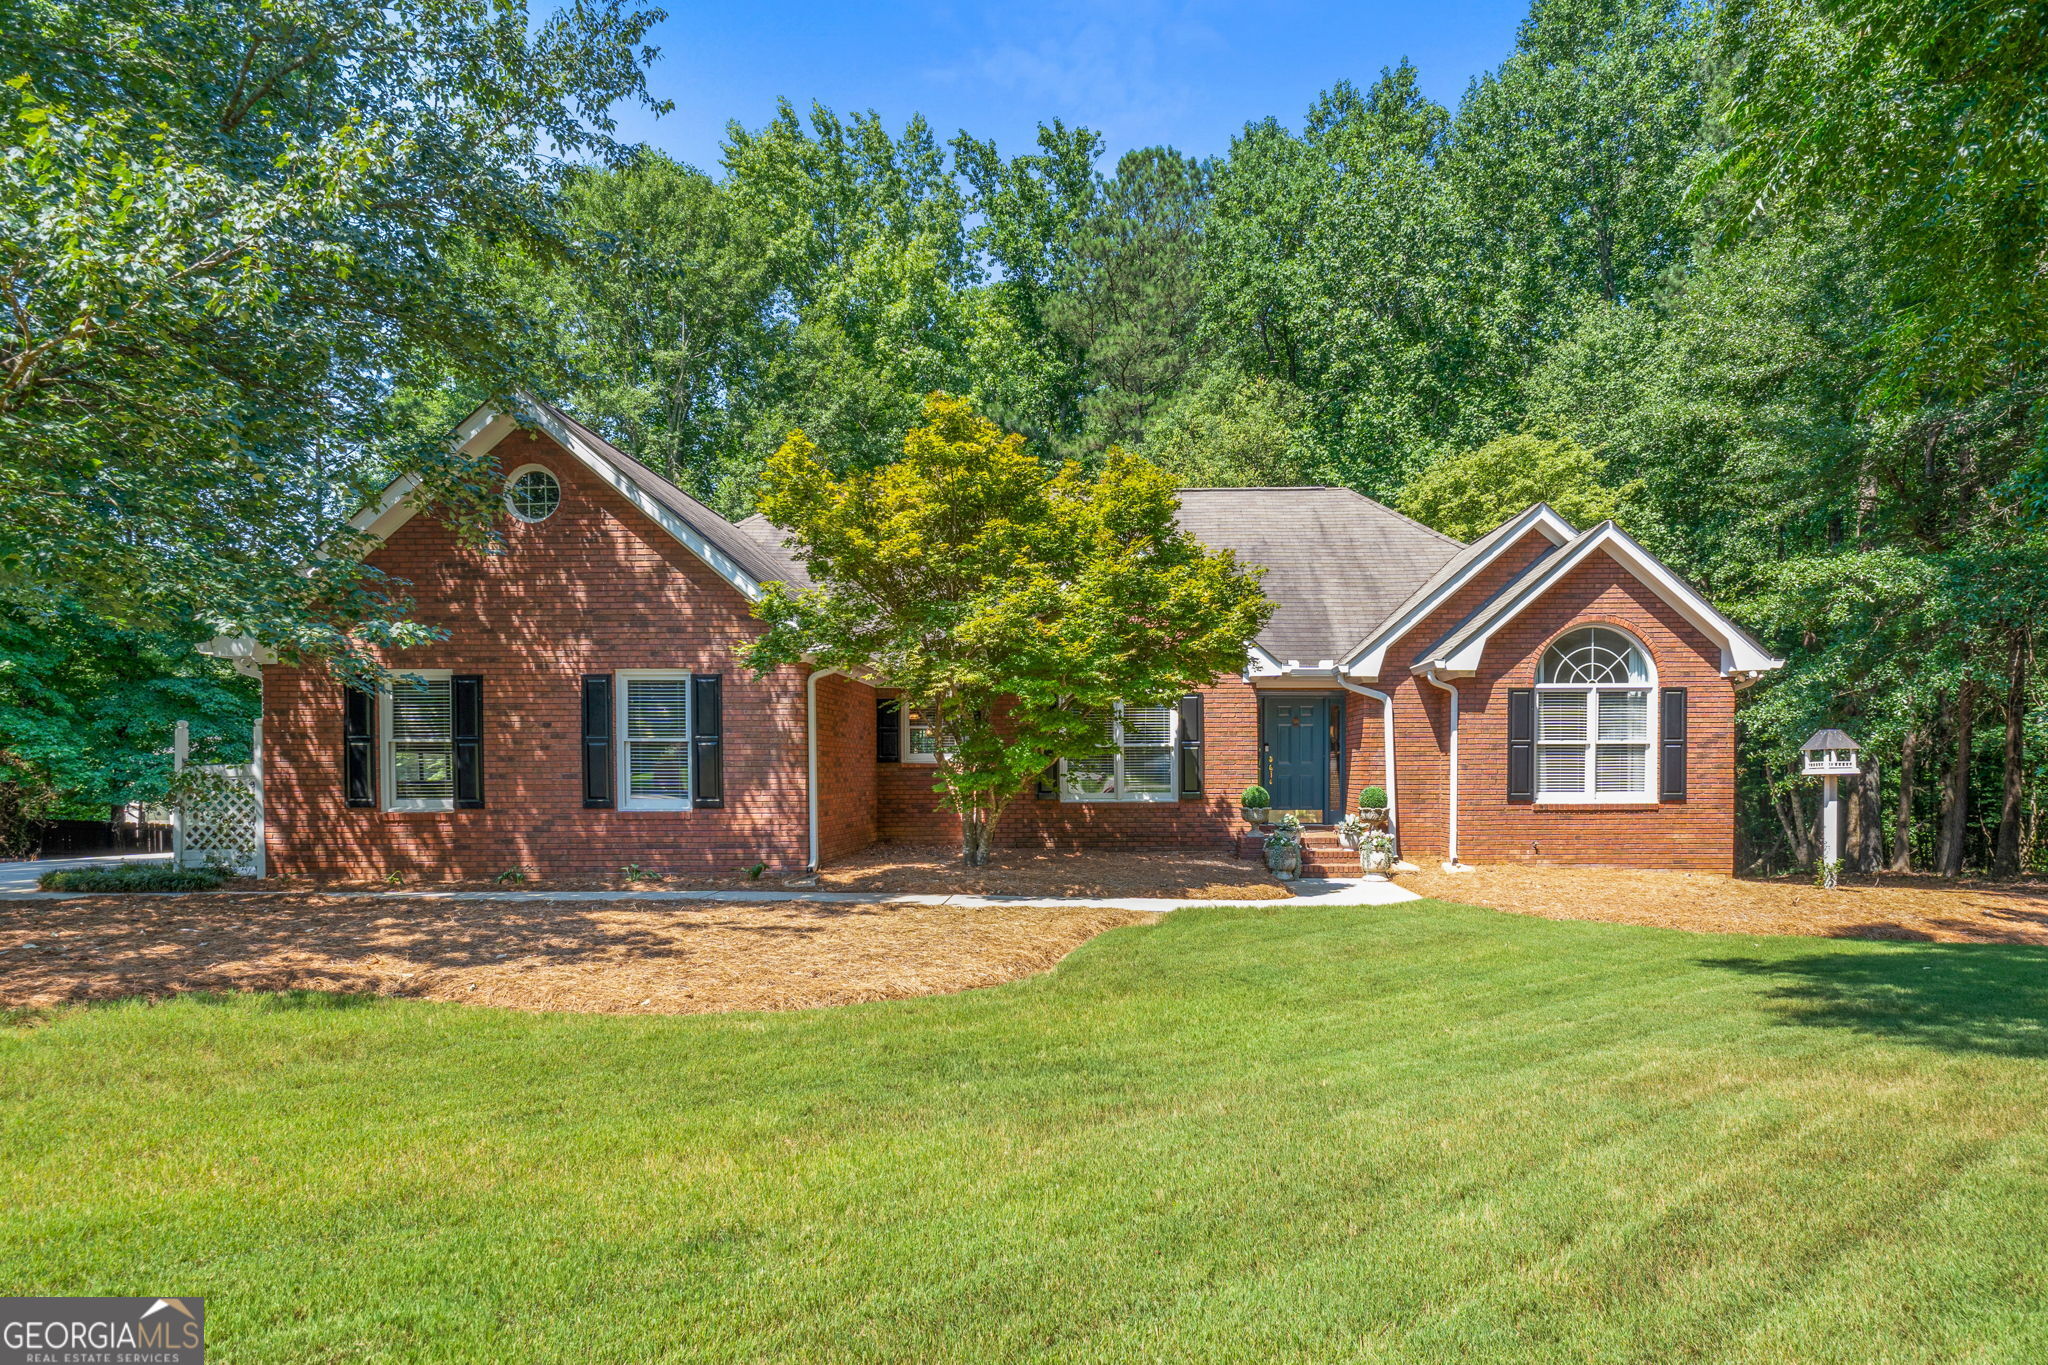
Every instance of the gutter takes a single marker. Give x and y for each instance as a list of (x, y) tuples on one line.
[(1429, 676), (1386, 749), (811, 752)]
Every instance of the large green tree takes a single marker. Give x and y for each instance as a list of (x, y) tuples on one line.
[(225, 231), (1017, 605)]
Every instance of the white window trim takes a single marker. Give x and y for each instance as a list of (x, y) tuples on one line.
[(387, 768), (561, 493), (903, 753), (622, 764), (1652, 719), (1068, 794)]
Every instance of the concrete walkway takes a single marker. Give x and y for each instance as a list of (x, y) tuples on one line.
[(1311, 892), (22, 876)]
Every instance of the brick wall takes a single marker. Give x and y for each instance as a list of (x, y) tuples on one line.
[(846, 767), (593, 588), (1697, 833), (909, 810)]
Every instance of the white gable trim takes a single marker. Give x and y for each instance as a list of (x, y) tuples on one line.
[(480, 433), (1739, 653), (1371, 657)]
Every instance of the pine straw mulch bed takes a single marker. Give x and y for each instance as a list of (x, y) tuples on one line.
[(927, 869), (604, 957), (1925, 909)]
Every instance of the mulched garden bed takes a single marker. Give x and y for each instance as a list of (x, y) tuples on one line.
[(611, 958), (1925, 909), (922, 868)]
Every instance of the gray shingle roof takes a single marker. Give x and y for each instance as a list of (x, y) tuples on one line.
[(769, 536), (1337, 563)]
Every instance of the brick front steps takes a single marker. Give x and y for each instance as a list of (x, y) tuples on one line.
[(1321, 853)]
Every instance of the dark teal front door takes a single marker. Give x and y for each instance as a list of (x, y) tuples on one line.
[(1294, 741)]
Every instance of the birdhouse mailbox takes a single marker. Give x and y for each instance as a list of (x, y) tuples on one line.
[(1830, 753)]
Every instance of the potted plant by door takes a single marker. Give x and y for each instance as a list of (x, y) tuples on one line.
[(1283, 848), (1376, 855), (1351, 829), (1372, 808), (1255, 805)]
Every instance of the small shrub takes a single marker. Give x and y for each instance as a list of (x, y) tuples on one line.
[(394, 879), (132, 877), (511, 876), (1373, 798), (754, 872), (1256, 798), (633, 872)]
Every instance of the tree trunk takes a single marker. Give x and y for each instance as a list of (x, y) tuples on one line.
[(2006, 862), (1866, 821), (1955, 798), (1902, 822), (977, 835), (1798, 828)]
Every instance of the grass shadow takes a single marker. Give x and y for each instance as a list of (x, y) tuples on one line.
[(1957, 997)]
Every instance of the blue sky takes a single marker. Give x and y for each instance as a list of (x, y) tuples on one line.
[(1188, 74)]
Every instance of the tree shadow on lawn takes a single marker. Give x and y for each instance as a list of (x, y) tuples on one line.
[(1957, 997)]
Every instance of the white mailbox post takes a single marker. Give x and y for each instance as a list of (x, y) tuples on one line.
[(1830, 755)]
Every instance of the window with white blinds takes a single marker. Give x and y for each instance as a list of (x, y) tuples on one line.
[(654, 741), (1138, 764), (419, 742), (1593, 719)]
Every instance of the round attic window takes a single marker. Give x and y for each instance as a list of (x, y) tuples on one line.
[(533, 494)]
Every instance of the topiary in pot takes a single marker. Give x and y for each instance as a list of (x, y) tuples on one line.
[(1372, 807), (1255, 805)]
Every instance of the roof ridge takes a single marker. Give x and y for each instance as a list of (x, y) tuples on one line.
[(1397, 512)]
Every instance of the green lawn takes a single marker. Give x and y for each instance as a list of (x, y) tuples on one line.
[(1418, 1133)]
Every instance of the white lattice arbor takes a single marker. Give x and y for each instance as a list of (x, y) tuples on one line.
[(219, 818)]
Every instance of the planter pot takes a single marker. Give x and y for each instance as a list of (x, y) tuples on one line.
[(1284, 862), (1254, 815), (1375, 820), (1347, 838)]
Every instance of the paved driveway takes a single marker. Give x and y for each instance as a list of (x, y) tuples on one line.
[(22, 876)]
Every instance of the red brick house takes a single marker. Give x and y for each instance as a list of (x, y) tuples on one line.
[(1544, 693)]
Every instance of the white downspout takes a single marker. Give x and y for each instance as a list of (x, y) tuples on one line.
[(1386, 750), (1429, 674), (811, 746)]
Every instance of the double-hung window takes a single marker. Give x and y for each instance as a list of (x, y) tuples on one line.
[(920, 735), (1137, 762), (419, 742), (1593, 719), (654, 740)]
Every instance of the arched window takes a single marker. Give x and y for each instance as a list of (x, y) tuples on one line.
[(1593, 718)]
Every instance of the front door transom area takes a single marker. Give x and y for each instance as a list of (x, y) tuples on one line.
[(1298, 754)]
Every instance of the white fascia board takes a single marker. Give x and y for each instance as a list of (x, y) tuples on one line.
[(1370, 660), (1738, 653), (487, 433), (394, 508), (1260, 664)]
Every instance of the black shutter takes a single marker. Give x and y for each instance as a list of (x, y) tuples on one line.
[(467, 693), (359, 746), (1672, 786), (1191, 745), (1521, 744), (888, 730), (1048, 784), (597, 740), (707, 741)]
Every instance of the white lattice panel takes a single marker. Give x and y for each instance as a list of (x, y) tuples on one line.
[(222, 823)]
